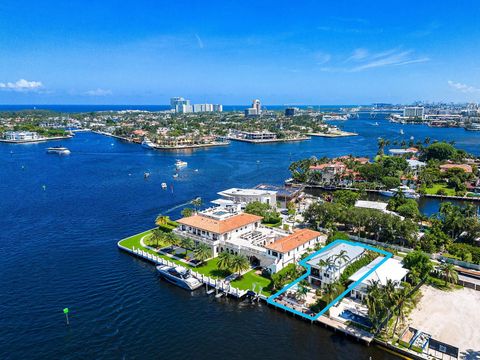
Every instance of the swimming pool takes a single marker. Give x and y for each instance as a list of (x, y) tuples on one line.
[(362, 320)]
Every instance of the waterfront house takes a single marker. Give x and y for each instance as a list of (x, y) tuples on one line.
[(21, 136), (392, 270), (237, 233), (465, 167), (327, 266), (289, 249), (329, 172), (242, 197)]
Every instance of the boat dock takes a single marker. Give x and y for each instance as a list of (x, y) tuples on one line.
[(220, 287)]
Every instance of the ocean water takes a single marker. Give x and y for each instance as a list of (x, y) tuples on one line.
[(61, 217)]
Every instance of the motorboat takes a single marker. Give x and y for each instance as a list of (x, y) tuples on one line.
[(58, 150), (147, 143), (164, 186), (402, 132), (180, 164), (175, 176), (407, 192), (180, 276)]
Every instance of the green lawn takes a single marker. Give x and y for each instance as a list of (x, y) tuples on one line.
[(247, 280), (434, 189), (208, 268)]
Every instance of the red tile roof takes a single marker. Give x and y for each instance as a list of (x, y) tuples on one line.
[(294, 240)]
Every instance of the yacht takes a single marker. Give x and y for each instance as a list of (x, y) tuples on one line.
[(407, 192), (473, 127), (179, 276), (180, 164), (58, 150), (164, 186), (147, 143)]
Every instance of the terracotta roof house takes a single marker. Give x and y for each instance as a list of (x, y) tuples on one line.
[(290, 248)]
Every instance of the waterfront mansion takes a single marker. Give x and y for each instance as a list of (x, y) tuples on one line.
[(242, 233), (327, 266)]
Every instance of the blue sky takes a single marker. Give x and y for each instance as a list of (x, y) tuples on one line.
[(292, 52)]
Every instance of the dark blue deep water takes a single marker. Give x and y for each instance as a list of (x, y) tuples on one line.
[(58, 249)]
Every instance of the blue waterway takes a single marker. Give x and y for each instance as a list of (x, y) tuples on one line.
[(58, 249)]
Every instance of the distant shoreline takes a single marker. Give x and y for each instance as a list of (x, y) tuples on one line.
[(268, 141), (333, 135), (35, 140)]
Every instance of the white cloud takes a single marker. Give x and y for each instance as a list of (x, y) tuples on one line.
[(21, 85), (464, 88), (322, 57), (98, 92), (390, 59), (199, 41), (365, 60), (358, 54)]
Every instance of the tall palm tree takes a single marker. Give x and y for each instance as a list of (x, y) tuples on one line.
[(187, 244), (224, 260), (197, 202), (302, 292), (157, 236), (202, 252), (401, 299), (171, 239), (161, 220), (341, 257), (448, 273), (186, 212), (239, 263)]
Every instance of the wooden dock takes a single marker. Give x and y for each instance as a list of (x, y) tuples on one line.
[(220, 286)]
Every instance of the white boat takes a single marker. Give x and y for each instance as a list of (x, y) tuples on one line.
[(375, 123), (58, 150), (147, 143), (180, 164), (407, 192), (401, 132), (175, 175), (179, 276), (164, 185)]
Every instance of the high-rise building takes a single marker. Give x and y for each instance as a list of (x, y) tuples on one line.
[(290, 111), (255, 110), (257, 105), (218, 107), (413, 112), (178, 101), (184, 108)]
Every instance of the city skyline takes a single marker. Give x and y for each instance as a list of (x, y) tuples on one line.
[(308, 53)]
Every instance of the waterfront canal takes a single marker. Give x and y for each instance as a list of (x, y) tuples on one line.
[(61, 218)]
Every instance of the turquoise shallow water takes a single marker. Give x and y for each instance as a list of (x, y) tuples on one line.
[(58, 249)]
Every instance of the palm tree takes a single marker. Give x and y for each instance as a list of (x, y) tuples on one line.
[(157, 235), (448, 273), (171, 239), (197, 202), (186, 212), (374, 301), (401, 299), (302, 292), (202, 252), (239, 263), (161, 220), (187, 244), (341, 257), (224, 260)]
